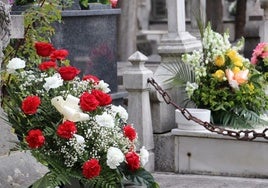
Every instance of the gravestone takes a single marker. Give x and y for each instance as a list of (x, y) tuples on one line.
[(90, 36), (17, 169)]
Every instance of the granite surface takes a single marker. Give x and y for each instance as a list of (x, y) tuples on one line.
[(90, 36)]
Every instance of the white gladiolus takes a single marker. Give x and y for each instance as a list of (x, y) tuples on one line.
[(53, 82), (144, 156), (114, 157), (15, 63), (105, 120)]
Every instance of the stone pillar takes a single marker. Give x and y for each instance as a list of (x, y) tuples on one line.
[(176, 42), (127, 29), (264, 27), (135, 82)]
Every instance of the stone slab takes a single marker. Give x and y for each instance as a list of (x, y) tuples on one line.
[(164, 152), (19, 170), (198, 152), (172, 180)]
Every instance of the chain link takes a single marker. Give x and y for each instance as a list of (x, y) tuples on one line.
[(246, 135)]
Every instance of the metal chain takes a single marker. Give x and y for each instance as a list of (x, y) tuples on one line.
[(246, 135)]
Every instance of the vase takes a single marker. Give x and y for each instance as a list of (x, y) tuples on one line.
[(184, 124)]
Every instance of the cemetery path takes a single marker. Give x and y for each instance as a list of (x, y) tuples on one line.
[(171, 180)]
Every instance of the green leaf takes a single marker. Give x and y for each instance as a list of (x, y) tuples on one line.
[(140, 177)]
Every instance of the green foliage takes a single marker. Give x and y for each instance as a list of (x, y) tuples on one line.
[(38, 24), (180, 72), (139, 177)]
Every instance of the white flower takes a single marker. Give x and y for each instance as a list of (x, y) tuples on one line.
[(53, 82), (15, 63), (105, 120), (114, 157), (120, 111), (144, 156), (79, 139), (103, 86), (190, 87)]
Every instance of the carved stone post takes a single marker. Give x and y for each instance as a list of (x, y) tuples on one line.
[(139, 110), (176, 42)]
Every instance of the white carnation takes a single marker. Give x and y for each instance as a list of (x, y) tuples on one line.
[(120, 111), (53, 82), (144, 156), (114, 157), (15, 63), (103, 86), (105, 120)]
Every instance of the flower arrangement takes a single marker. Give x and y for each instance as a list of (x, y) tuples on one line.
[(219, 78), (260, 58), (70, 124)]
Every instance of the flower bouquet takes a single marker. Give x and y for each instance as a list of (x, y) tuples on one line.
[(70, 124), (218, 78)]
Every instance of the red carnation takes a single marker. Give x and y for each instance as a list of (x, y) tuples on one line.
[(133, 161), (103, 98), (88, 102), (91, 168), (68, 72), (130, 132), (91, 78), (30, 104), (59, 54), (35, 138), (66, 129), (47, 65), (44, 49)]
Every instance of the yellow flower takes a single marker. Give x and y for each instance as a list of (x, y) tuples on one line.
[(231, 53), (238, 61), (236, 70), (219, 60), (235, 58), (219, 74)]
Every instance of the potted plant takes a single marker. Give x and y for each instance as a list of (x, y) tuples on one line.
[(217, 77)]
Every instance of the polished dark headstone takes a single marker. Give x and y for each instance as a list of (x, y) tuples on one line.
[(90, 36)]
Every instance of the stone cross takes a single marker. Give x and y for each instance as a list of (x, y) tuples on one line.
[(172, 45)]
